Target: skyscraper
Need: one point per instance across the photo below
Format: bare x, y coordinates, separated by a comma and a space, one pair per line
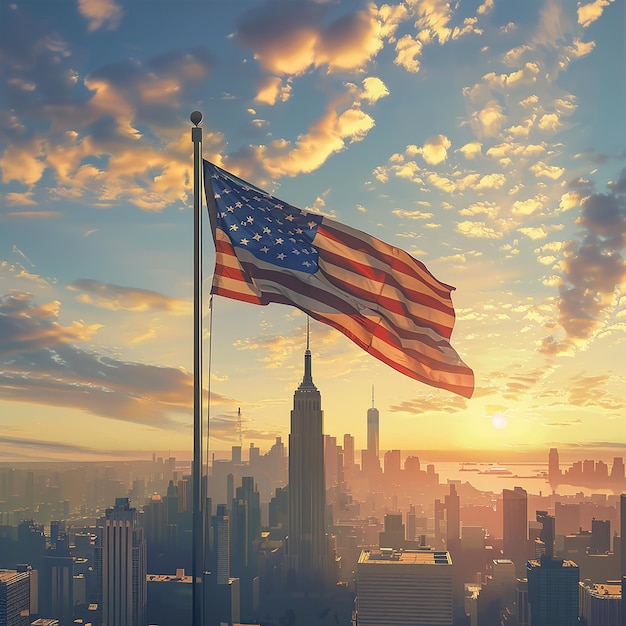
553, 592
306, 545
622, 531
370, 458
57, 585
552, 583
554, 469
409, 587
515, 527
121, 564
372, 430
14, 598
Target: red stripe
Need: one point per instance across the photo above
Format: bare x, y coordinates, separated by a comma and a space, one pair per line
397, 305
405, 265
399, 338
387, 278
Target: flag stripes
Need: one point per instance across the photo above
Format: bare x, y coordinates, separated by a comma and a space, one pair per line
380, 297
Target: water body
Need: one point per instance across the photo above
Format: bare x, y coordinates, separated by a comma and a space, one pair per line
485, 477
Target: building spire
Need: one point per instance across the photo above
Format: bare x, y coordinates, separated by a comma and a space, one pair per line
307, 380
373, 396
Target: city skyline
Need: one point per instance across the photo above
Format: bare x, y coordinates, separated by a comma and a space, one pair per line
479, 137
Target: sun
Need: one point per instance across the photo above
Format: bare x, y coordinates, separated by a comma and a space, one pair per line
498, 421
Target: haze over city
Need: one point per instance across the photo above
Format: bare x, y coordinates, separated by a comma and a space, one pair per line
486, 139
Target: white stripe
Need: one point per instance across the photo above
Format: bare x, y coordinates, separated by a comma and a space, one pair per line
443, 352
386, 249
414, 309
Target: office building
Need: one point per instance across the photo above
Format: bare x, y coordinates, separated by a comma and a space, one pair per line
622, 510
600, 604
307, 554
221, 545
57, 582
370, 460
515, 527
553, 592
554, 469
400, 588
394, 535
600, 536
121, 564
452, 502
14, 598
373, 419
498, 594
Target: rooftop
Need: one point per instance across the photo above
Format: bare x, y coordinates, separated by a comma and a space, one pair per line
7, 575
611, 589
406, 557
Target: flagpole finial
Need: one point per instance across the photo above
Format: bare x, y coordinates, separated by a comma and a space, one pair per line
196, 117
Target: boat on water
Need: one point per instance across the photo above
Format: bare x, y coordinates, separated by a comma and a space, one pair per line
497, 470
468, 469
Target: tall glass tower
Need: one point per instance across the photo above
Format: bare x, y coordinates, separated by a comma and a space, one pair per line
121, 566
372, 430
306, 544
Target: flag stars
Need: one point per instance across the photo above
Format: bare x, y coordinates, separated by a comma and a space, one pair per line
290, 218
264, 249
238, 204
281, 256
234, 227
311, 224
279, 241
267, 230
256, 236
244, 242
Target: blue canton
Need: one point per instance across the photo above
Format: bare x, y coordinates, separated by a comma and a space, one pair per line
273, 231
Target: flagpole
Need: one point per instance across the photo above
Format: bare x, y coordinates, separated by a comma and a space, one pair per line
197, 560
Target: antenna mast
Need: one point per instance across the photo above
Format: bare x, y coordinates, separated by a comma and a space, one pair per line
240, 427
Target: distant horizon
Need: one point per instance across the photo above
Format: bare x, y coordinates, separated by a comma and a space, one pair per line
483, 456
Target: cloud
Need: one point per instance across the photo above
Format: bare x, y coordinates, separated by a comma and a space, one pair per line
100, 13
589, 13
339, 126
478, 230
270, 89
589, 391
593, 267
41, 363
374, 89
552, 172
429, 403
408, 52
412, 215
117, 298
81, 132
435, 149
289, 38
46, 447
471, 150
489, 120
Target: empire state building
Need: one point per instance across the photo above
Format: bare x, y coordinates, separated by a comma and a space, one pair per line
306, 544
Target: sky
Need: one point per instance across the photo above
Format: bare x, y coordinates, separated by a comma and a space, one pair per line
485, 138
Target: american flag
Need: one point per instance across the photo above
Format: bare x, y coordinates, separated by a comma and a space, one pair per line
379, 296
